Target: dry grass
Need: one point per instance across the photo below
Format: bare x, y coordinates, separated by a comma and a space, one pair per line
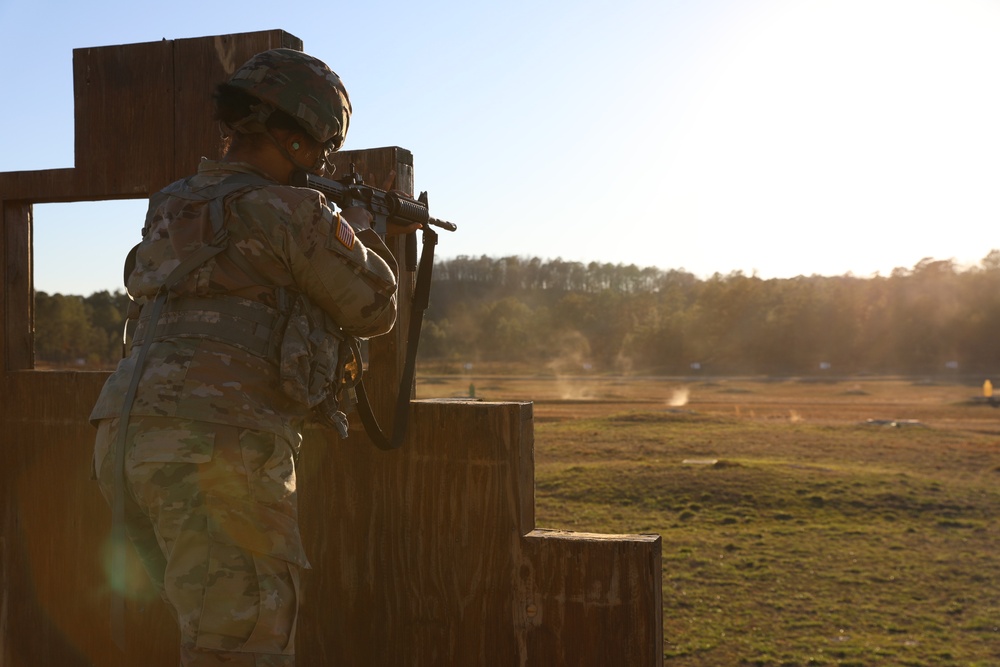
847, 522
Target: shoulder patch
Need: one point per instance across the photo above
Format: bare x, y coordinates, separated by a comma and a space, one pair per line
345, 233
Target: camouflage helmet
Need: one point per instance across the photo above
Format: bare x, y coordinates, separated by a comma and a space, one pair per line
301, 86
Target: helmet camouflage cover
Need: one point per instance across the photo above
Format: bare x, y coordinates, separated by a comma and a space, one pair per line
303, 87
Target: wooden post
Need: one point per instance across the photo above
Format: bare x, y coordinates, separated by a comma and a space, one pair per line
428, 555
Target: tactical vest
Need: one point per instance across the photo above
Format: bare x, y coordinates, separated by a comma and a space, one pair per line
313, 356
244, 324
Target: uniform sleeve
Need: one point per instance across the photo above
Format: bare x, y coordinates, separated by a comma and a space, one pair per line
350, 275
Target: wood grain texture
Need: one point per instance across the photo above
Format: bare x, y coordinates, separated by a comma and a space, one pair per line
417, 549
124, 119
580, 591
18, 287
53, 530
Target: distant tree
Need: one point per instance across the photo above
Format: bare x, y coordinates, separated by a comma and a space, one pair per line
992, 261
64, 333
512, 331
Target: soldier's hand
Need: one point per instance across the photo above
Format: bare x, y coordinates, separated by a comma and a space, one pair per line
358, 217
400, 230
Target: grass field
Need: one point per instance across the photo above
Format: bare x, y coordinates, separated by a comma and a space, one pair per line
836, 522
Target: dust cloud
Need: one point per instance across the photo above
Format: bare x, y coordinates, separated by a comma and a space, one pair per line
679, 397
569, 366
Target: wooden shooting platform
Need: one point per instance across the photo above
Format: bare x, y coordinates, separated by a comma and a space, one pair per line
428, 555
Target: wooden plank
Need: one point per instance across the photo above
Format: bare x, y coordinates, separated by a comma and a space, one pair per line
415, 551
425, 556
124, 117
211, 60
588, 599
53, 527
18, 286
6, 258
45, 186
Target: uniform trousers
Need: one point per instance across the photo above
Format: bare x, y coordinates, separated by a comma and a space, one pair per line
211, 510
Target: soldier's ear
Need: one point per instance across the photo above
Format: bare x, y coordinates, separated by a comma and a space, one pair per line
297, 142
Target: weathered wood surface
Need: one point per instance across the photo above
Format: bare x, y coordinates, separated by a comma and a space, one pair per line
444, 565
423, 556
17, 293
54, 605
432, 535
577, 590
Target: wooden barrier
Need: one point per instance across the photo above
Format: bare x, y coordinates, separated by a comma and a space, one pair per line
424, 556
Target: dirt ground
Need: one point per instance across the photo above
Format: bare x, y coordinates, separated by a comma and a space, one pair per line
949, 403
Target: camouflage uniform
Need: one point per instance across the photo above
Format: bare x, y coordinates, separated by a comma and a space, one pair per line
209, 460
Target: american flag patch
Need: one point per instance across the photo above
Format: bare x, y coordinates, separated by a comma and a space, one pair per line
345, 233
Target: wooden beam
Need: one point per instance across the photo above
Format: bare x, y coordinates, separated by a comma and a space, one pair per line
579, 591
418, 547
124, 117
17, 337
432, 556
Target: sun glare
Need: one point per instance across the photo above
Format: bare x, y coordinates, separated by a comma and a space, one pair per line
846, 129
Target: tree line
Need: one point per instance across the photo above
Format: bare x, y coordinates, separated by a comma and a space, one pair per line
570, 317
79, 331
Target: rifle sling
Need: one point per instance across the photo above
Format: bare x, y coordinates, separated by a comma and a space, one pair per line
421, 299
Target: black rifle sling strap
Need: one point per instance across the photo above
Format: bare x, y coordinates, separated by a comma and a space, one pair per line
421, 298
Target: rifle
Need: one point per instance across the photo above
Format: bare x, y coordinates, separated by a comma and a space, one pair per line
388, 208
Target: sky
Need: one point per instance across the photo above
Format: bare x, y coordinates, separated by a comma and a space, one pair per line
772, 137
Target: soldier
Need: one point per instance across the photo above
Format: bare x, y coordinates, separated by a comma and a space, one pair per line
249, 288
